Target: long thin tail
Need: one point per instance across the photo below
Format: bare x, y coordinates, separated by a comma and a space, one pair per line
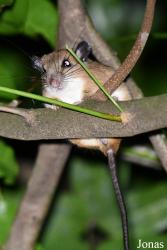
119, 197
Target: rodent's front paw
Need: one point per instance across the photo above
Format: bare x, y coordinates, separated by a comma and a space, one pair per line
50, 106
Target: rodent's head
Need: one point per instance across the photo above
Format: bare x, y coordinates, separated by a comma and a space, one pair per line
59, 68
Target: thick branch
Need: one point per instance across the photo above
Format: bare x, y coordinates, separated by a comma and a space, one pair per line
147, 114
38, 196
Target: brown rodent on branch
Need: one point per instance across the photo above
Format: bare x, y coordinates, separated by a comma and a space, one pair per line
64, 79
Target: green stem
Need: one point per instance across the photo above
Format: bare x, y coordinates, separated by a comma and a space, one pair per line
98, 83
62, 104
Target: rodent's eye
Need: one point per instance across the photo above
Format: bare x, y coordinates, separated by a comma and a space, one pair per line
66, 63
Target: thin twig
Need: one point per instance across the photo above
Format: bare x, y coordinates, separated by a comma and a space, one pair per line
126, 67
54, 102
93, 77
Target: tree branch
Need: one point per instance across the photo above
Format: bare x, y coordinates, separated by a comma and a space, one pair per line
160, 145
38, 196
51, 124
126, 67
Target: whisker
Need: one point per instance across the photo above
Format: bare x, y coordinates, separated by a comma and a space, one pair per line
73, 72
71, 76
74, 69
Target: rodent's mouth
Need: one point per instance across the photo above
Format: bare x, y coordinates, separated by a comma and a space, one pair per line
60, 86
57, 87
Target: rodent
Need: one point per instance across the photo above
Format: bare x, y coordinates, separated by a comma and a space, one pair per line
64, 79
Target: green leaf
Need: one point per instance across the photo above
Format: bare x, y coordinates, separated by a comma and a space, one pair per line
42, 19
8, 165
39, 247
9, 204
31, 18
61, 104
13, 19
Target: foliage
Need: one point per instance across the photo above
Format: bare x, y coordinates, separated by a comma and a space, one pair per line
23, 18
9, 203
90, 204
85, 213
8, 164
12, 74
27, 18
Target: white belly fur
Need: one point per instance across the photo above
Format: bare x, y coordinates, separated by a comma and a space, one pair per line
72, 92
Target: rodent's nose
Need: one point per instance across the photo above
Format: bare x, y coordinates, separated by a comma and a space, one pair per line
56, 82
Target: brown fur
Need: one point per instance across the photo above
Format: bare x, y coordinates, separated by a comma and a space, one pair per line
53, 61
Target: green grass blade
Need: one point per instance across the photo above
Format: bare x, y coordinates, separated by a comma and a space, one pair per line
62, 104
98, 83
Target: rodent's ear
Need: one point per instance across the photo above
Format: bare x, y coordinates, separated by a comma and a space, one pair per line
83, 50
37, 63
